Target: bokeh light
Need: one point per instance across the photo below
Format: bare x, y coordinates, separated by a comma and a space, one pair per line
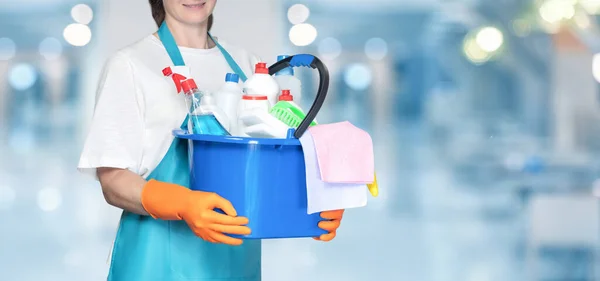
481, 45
489, 39
376, 48
303, 34
77, 34
8, 49
49, 199
554, 11
22, 76
582, 20
590, 6
474, 52
330, 48
298, 13
82, 13
358, 76
534, 164
51, 48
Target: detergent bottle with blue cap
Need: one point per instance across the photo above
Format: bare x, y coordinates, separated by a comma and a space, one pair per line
228, 99
287, 81
205, 117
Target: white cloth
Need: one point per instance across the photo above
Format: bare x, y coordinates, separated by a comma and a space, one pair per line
137, 107
324, 196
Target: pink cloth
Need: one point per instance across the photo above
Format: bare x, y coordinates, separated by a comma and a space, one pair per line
344, 153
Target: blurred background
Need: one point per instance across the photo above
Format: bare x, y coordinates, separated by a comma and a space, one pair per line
485, 116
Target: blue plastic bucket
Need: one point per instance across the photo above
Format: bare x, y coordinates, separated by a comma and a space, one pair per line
264, 179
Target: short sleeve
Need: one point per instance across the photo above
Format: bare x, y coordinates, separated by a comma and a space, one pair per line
117, 128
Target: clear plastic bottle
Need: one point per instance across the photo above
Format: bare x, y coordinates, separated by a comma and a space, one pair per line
202, 111
228, 99
286, 80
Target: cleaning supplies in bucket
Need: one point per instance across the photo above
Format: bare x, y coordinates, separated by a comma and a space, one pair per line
286, 114
178, 74
261, 124
258, 90
250, 172
228, 99
286, 80
204, 116
249, 104
287, 111
262, 84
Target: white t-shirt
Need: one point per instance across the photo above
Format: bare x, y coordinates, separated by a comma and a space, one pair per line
137, 107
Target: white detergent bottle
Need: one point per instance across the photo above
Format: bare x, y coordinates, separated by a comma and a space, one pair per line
262, 84
228, 99
287, 97
248, 104
286, 80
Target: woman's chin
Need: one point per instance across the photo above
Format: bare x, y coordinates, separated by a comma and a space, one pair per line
195, 21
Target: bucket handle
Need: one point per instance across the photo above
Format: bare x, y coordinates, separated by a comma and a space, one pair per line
314, 63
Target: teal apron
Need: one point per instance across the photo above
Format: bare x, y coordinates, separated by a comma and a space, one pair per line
148, 249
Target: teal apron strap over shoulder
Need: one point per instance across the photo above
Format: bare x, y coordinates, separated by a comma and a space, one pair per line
156, 250
234, 66
166, 37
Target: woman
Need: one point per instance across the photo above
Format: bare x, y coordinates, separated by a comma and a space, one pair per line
167, 231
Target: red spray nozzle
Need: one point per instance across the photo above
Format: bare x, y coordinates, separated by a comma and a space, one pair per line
188, 85
167, 71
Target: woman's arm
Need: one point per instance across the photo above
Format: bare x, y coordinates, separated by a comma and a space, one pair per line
122, 189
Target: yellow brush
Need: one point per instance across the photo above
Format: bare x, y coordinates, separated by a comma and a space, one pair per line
373, 188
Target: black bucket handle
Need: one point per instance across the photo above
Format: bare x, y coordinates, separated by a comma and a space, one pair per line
315, 63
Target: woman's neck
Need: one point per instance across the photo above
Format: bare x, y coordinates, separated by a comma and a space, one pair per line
190, 36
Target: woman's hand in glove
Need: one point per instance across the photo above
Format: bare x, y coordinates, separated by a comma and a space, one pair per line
331, 224
173, 202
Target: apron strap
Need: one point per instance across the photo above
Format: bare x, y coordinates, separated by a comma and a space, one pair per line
234, 66
166, 37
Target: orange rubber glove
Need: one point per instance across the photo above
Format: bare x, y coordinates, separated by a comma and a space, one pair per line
334, 218
168, 201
